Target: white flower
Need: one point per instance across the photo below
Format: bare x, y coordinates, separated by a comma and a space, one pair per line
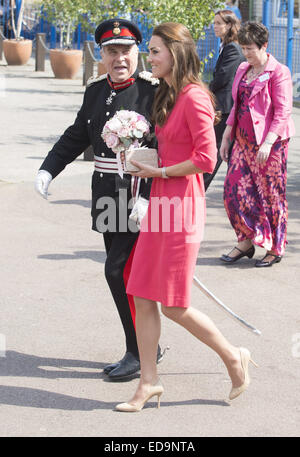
125, 114
114, 124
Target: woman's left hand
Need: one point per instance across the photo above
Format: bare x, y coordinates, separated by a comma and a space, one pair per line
146, 171
263, 153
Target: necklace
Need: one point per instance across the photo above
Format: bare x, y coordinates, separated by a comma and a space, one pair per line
254, 73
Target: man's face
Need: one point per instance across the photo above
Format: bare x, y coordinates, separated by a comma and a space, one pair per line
120, 61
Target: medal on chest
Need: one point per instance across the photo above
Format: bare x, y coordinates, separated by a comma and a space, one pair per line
110, 98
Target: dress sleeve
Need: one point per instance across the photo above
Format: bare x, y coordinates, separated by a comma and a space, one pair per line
200, 115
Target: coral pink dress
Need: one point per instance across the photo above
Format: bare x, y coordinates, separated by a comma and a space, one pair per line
167, 247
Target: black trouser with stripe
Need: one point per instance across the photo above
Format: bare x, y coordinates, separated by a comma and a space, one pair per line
118, 248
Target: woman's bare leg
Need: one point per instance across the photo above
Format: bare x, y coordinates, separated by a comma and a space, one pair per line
197, 323
147, 322
202, 327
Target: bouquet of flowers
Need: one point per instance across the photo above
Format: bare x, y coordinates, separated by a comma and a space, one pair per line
125, 131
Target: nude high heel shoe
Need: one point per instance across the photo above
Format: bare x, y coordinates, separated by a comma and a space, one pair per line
245, 359
156, 389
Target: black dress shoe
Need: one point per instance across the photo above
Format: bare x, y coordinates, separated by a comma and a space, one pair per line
249, 253
108, 368
263, 263
128, 366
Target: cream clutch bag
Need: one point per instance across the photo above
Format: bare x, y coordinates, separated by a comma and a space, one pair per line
146, 156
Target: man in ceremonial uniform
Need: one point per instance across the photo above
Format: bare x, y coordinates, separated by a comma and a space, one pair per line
123, 87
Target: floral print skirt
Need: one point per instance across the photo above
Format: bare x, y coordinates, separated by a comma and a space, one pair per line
255, 194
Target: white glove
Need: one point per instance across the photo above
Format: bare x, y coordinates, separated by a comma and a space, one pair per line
139, 210
42, 182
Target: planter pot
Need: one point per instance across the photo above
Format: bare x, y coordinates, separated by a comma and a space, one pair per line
65, 63
17, 52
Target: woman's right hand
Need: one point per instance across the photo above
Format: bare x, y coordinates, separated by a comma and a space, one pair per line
225, 145
224, 149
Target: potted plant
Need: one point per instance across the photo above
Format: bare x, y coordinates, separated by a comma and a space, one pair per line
17, 50
65, 15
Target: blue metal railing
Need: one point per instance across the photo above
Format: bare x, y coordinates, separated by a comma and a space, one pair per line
290, 35
283, 27
5, 19
283, 21
284, 42
266, 13
208, 51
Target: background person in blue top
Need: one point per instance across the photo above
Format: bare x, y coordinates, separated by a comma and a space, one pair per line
231, 5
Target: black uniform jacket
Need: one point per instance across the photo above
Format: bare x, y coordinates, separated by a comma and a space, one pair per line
223, 76
87, 130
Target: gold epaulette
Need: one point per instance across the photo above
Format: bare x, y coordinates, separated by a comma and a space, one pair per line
147, 76
95, 79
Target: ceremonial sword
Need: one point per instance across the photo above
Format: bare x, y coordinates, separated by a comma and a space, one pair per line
224, 307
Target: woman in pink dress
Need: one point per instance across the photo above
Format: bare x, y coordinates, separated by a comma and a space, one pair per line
167, 248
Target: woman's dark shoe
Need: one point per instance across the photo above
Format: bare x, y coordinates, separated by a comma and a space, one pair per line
269, 263
249, 253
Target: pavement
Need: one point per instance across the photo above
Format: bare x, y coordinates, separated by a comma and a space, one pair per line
59, 326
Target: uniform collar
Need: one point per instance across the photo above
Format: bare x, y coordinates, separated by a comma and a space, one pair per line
124, 84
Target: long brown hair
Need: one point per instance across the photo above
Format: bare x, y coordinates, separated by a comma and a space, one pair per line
230, 18
185, 70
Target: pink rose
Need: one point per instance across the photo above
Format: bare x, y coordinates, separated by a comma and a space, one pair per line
143, 126
112, 140
124, 132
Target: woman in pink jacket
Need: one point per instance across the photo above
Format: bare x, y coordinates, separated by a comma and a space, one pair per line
261, 125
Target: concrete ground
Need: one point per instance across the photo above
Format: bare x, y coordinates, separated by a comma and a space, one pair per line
59, 326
